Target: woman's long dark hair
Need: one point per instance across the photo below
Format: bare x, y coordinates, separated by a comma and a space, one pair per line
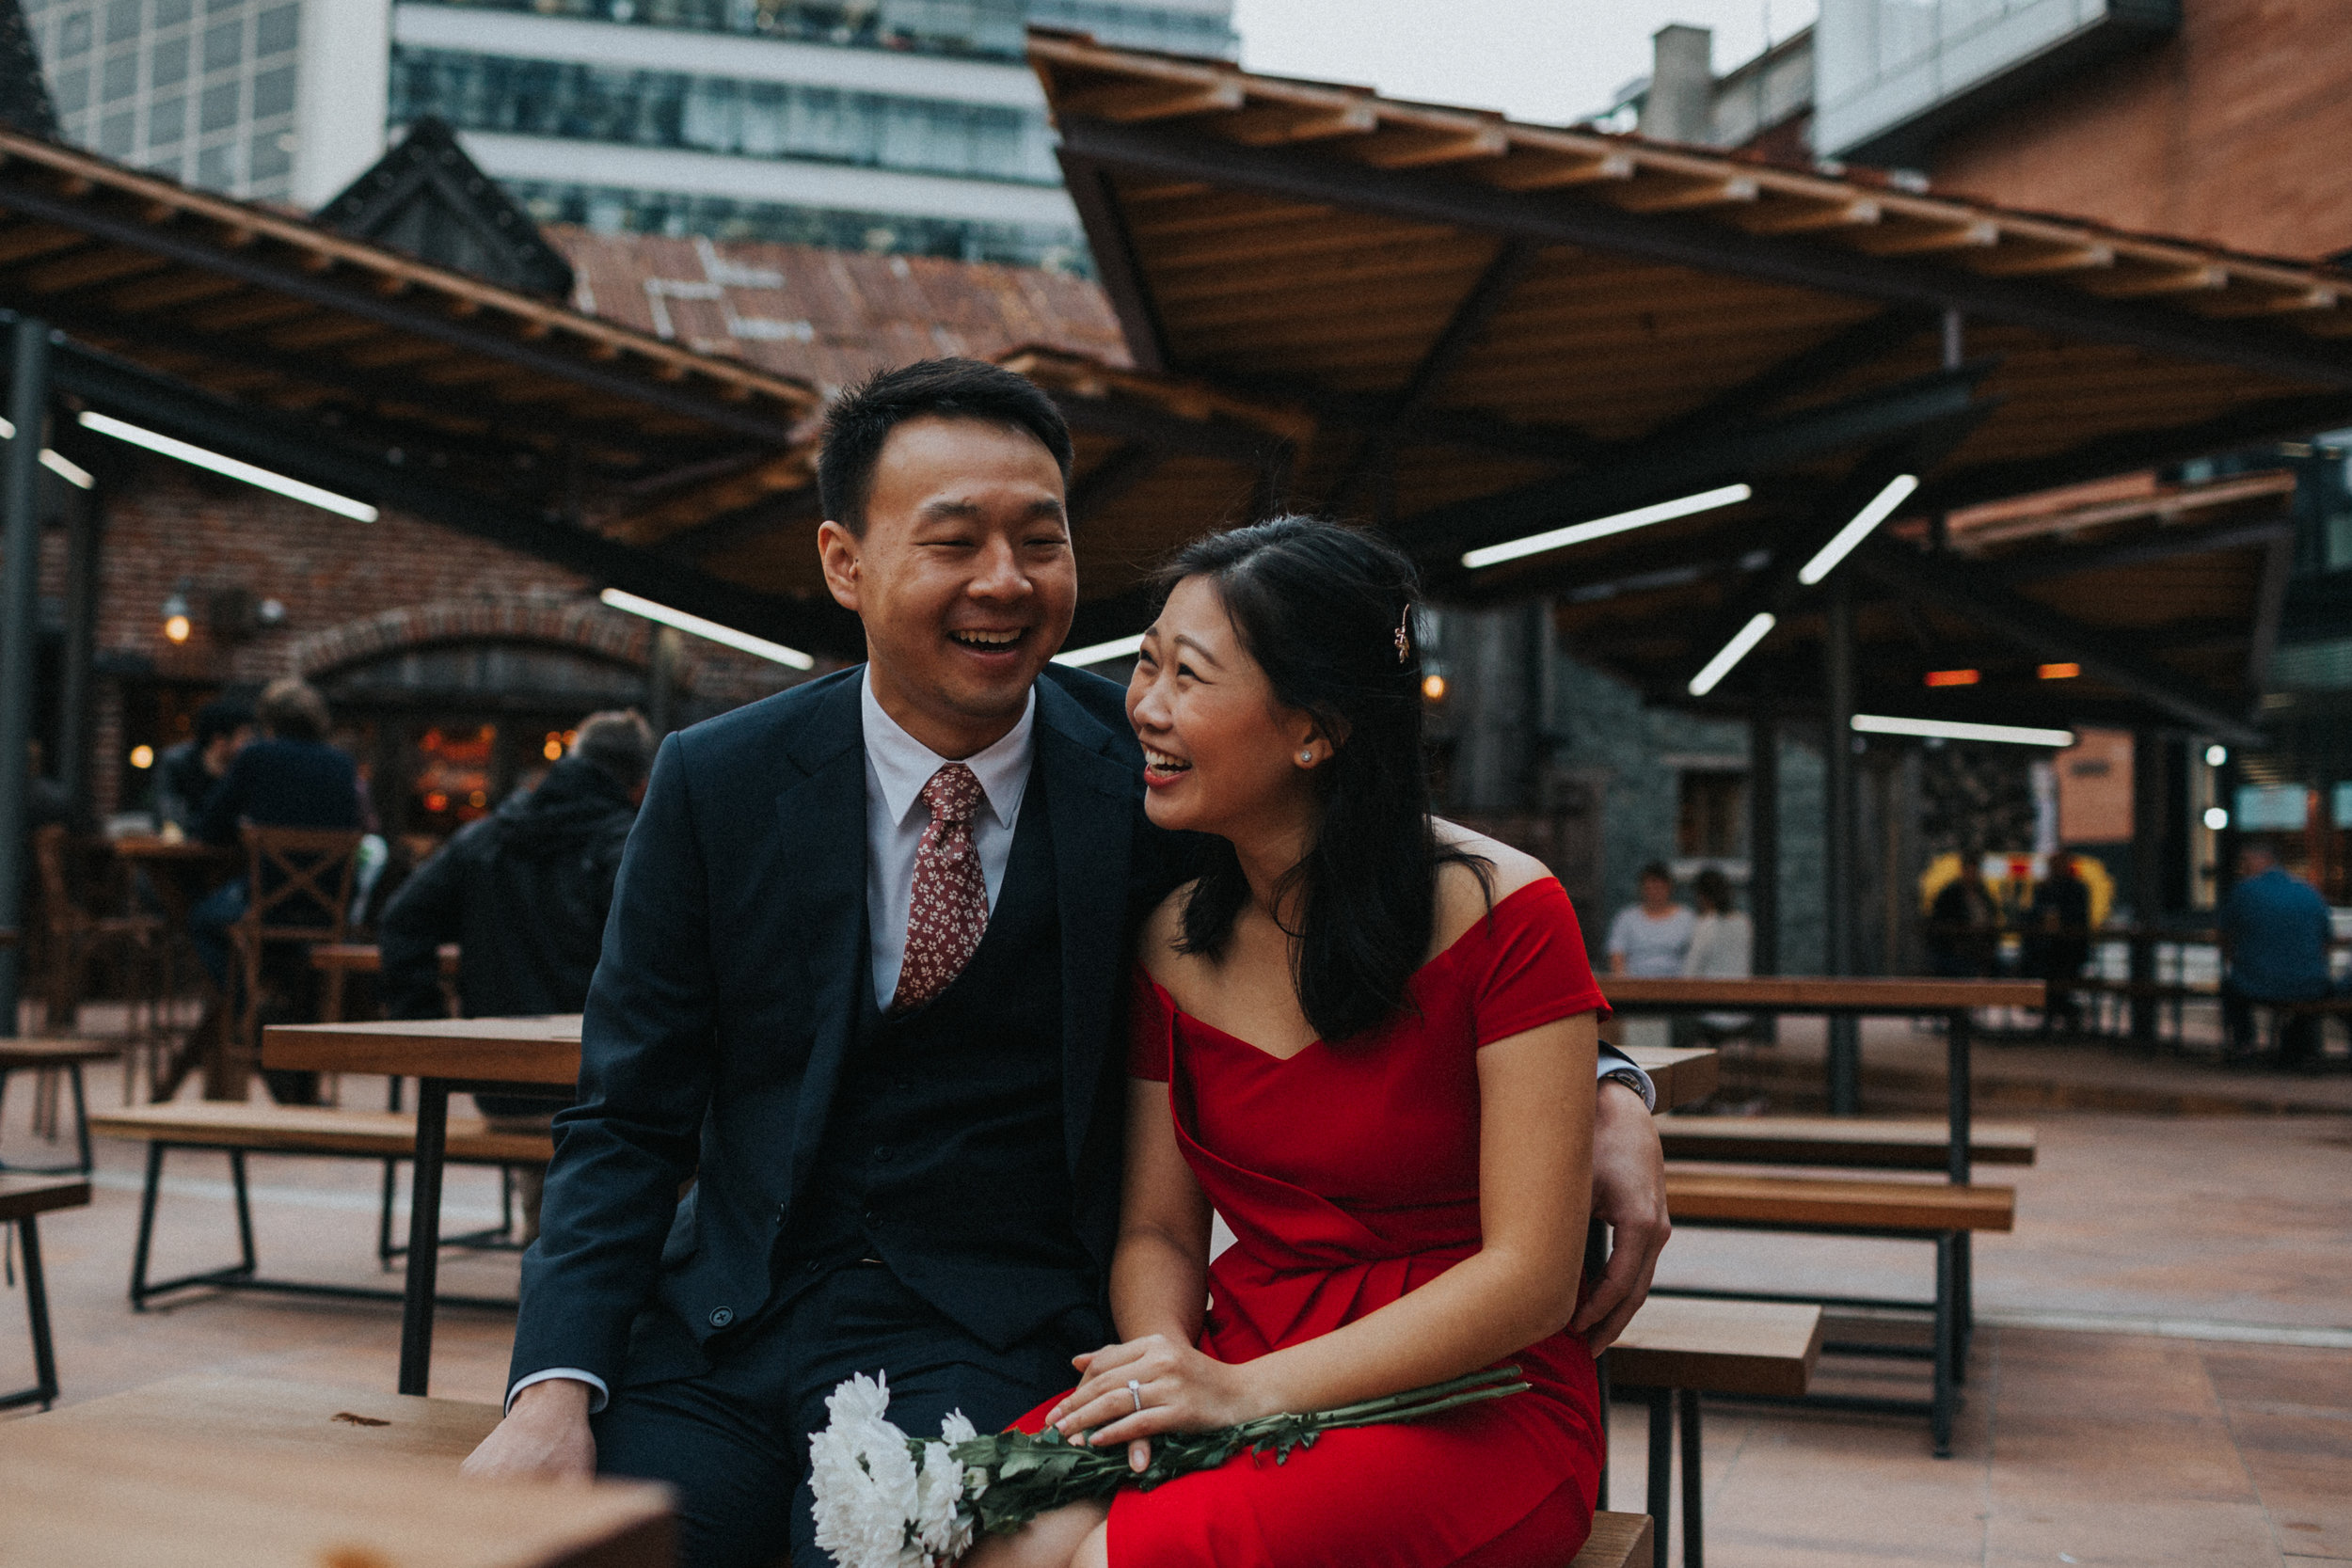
1320, 606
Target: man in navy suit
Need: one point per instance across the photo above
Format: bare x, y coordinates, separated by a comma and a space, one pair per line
863, 988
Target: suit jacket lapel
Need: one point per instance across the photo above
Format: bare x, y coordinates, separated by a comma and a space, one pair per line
823, 818
1092, 796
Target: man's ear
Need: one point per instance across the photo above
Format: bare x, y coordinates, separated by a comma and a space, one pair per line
837, 548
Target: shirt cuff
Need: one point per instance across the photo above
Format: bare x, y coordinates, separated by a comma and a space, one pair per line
1613, 1066
598, 1395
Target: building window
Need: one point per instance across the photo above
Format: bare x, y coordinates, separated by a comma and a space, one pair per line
1712, 815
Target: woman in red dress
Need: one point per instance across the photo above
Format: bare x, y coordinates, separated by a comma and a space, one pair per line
1365, 1037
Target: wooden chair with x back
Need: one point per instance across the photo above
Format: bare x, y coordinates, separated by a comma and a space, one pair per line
299, 883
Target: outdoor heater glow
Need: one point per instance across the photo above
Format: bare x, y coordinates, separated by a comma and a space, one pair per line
1954, 729
1759, 628
1601, 528
1882, 506
196, 457
726, 637
1095, 652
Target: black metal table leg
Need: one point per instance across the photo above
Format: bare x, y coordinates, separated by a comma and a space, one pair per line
1940, 1416
36, 1308
1661, 1465
81, 1117
424, 1236
1694, 1478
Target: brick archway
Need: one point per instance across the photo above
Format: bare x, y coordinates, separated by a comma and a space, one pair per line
583, 624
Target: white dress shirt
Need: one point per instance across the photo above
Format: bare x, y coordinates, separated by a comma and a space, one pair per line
898, 767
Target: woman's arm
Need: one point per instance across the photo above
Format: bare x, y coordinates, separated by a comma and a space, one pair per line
1535, 1179
1160, 1271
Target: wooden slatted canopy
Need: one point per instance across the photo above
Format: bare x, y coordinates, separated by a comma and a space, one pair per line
1502, 328
266, 336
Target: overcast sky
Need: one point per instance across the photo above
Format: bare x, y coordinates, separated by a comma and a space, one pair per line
1545, 61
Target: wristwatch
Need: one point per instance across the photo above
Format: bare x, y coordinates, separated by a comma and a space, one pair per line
1636, 1079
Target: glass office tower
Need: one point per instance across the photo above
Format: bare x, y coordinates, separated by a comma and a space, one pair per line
907, 125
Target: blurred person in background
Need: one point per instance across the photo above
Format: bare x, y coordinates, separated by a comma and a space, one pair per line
1650, 939
186, 774
1723, 947
2275, 932
289, 778
2058, 942
1964, 931
524, 892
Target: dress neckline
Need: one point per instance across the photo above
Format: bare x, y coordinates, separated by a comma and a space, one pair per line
1486, 921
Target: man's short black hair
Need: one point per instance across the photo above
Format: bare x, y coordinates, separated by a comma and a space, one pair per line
222, 715
862, 418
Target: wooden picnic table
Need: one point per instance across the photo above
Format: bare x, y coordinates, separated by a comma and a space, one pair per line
366, 958
220, 1472
522, 1054
180, 871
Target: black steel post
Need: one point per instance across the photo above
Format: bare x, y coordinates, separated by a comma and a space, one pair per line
1837, 848
76, 703
424, 1236
1764, 838
2148, 846
19, 647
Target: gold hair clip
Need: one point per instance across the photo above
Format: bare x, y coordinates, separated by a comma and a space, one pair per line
1403, 638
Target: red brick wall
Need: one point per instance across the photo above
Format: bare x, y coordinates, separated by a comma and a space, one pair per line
2234, 133
351, 590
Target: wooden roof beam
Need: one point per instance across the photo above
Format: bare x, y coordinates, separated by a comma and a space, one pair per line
1979, 234
1790, 217
2282, 303
1279, 123
1133, 102
1690, 197
1432, 146
2180, 280
1548, 171
2080, 258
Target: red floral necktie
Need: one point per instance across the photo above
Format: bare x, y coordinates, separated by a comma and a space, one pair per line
950, 909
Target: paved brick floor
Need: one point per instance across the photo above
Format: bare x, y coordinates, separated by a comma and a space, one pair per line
2164, 1375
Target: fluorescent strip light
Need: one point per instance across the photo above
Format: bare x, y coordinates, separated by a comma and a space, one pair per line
1759, 628
326, 500
1600, 528
1953, 729
54, 461
727, 637
1882, 506
1117, 647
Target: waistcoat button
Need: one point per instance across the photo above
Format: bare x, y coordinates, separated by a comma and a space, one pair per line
721, 1316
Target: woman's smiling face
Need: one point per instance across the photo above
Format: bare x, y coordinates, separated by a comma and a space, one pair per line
1221, 753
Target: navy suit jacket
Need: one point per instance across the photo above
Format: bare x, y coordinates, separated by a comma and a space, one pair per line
727, 994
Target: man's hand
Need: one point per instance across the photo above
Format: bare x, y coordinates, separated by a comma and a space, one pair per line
1628, 1196
544, 1437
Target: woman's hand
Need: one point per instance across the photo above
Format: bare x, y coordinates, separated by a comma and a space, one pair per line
1183, 1391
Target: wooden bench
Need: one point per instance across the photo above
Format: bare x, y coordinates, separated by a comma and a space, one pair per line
1677, 1349
23, 1200
1939, 1213
1870, 1144
237, 1130
221, 1472
54, 1054
1618, 1541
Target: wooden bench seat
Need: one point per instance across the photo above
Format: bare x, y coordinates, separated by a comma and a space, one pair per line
1618, 1541
238, 1129
23, 1200
1833, 1203
1873, 1145
1680, 1347
315, 1130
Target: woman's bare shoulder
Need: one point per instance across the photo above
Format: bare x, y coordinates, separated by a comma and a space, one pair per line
1467, 891
1159, 949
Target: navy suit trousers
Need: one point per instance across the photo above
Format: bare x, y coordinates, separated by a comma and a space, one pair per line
733, 1441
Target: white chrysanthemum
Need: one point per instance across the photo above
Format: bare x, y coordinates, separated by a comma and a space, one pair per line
942, 1528
868, 1489
956, 1426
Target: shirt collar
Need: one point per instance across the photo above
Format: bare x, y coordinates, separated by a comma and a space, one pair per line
901, 765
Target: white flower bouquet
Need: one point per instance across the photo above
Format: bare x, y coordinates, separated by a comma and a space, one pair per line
887, 1500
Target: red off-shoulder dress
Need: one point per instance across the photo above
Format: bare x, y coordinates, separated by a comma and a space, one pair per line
1348, 1174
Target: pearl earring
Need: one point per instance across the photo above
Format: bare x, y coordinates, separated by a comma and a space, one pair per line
1306, 759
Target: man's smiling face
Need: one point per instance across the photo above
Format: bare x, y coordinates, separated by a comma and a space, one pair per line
965, 576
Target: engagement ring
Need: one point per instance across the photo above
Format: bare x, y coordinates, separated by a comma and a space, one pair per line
1135, 1392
